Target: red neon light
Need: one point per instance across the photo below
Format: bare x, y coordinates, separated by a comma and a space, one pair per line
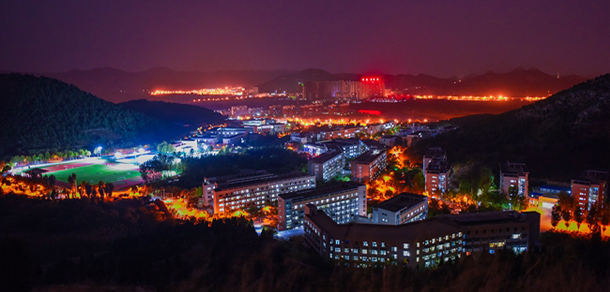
370, 112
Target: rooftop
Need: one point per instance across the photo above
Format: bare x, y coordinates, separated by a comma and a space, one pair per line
444, 224
326, 156
401, 201
594, 176
373, 144
369, 156
262, 179
513, 168
438, 164
354, 231
324, 190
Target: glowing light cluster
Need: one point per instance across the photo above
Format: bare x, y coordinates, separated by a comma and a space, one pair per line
480, 98
179, 207
237, 91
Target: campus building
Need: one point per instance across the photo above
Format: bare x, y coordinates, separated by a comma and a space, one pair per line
514, 179
342, 202
590, 189
431, 153
423, 243
352, 147
236, 192
401, 209
327, 165
437, 175
369, 165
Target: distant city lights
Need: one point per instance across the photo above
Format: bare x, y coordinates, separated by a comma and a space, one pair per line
235, 91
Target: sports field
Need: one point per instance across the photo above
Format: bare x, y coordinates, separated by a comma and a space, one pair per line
122, 175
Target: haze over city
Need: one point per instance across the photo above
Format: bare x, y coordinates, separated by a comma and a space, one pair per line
441, 38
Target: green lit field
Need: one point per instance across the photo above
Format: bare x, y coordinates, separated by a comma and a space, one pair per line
96, 172
122, 175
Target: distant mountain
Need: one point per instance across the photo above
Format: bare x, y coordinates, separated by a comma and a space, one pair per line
517, 83
175, 113
40, 114
557, 138
118, 86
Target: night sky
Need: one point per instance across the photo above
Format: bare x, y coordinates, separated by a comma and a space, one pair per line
442, 38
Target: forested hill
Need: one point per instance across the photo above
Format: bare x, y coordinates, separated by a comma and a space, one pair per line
40, 113
175, 113
558, 138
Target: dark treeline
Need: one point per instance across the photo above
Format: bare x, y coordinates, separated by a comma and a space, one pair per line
276, 160
175, 113
42, 114
558, 138
85, 246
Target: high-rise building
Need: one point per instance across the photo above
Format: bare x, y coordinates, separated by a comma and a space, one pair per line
342, 202
590, 189
514, 179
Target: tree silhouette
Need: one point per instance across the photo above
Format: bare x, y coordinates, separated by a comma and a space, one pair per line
109, 188
101, 188
555, 216
578, 217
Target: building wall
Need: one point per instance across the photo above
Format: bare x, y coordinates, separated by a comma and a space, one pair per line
587, 194
437, 182
521, 183
364, 172
441, 243
405, 215
342, 206
326, 170
429, 251
232, 199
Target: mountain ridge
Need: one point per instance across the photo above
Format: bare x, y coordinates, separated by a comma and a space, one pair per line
558, 138
118, 85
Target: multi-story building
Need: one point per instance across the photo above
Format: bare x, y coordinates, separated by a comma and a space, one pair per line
438, 173
339, 132
231, 193
369, 165
514, 179
351, 147
431, 153
388, 140
327, 165
590, 189
401, 209
342, 202
424, 243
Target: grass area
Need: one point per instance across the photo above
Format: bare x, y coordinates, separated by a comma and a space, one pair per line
95, 172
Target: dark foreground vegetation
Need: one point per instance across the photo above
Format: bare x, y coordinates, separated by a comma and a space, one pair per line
130, 245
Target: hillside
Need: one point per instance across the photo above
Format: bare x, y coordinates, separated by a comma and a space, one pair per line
41, 113
557, 138
174, 113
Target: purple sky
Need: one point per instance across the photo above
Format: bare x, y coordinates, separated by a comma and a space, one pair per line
443, 38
